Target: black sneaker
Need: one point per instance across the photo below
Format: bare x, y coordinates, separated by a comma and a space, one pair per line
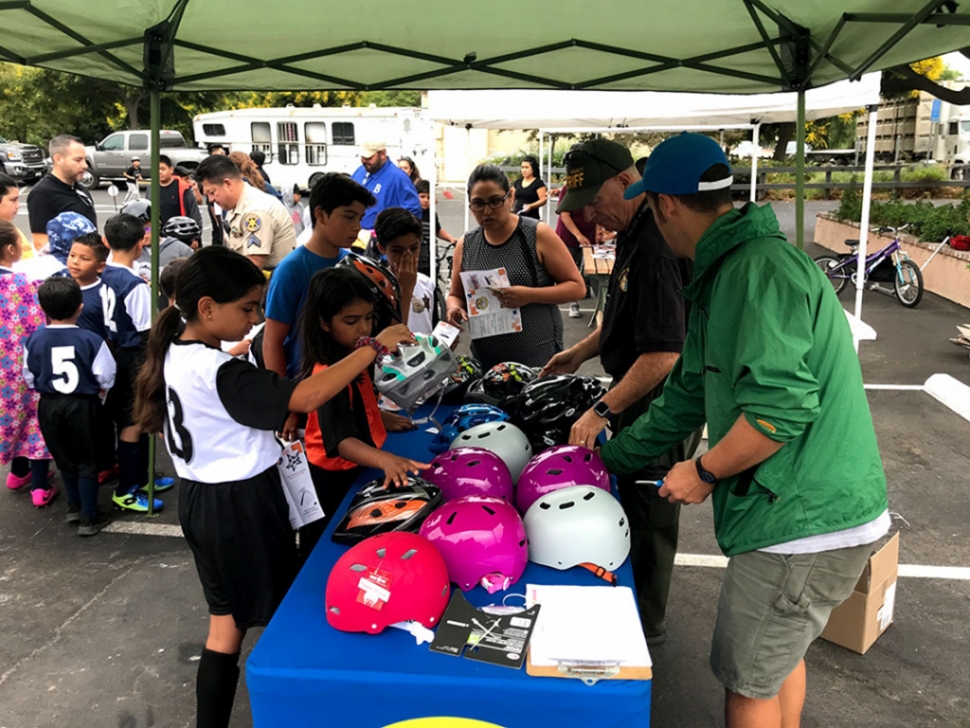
73, 513
91, 526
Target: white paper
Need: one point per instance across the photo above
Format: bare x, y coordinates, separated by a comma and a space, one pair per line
486, 317
885, 614
446, 333
301, 496
586, 625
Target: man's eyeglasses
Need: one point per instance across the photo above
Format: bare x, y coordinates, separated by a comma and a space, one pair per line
493, 204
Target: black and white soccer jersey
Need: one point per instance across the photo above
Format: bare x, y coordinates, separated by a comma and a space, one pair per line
127, 305
61, 359
96, 299
222, 412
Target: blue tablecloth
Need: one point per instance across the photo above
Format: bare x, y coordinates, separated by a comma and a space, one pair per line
305, 673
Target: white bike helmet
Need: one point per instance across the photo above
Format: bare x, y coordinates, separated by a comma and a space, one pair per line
578, 526
417, 372
502, 438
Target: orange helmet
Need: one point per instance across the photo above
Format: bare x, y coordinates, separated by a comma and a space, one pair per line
382, 283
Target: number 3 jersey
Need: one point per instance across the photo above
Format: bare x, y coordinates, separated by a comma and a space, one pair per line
61, 359
221, 414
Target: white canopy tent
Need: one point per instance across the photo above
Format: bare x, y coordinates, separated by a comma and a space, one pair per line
561, 112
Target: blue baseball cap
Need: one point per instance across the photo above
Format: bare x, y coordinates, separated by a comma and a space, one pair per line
676, 166
63, 230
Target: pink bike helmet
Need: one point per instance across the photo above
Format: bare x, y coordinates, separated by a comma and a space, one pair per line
482, 541
558, 467
470, 471
385, 579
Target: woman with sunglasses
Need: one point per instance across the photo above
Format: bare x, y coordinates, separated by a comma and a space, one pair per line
541, 272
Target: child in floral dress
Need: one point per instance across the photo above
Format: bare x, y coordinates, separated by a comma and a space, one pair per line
22, 446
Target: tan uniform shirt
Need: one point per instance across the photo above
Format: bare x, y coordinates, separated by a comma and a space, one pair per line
260, 225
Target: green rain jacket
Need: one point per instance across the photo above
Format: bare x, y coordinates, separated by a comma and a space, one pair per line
769, 340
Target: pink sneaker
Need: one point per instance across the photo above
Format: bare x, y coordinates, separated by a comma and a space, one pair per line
43, 496
15, 483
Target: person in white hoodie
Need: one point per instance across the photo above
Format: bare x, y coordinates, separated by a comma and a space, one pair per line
291, 201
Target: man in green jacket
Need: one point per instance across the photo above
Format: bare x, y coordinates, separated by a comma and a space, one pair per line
798, 488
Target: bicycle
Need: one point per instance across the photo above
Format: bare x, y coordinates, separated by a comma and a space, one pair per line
890, 264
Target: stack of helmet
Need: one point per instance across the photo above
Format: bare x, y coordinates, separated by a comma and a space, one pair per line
469, 370
560, 467
417, 372
470, 471
461, 419
546, 409
383, 285
377, 509
500, 385
502, 438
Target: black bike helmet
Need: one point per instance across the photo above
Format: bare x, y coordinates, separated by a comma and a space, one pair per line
383, 284
546, 409
142, 209
182, 228
500, 385
469, 370
376, 509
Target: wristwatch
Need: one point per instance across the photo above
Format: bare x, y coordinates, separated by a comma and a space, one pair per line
601, 409
706, 475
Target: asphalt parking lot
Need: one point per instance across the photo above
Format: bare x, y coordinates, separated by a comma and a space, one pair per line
106, 631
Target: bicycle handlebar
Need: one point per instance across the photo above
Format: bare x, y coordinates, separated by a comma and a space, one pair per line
893, 230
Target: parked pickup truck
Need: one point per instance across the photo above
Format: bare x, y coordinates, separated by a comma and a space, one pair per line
109, 158
23, 162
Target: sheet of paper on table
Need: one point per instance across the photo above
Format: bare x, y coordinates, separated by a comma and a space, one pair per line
586, 624
486, 317
604, 253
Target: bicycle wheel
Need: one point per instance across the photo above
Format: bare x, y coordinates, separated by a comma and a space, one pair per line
908, 284
838, 276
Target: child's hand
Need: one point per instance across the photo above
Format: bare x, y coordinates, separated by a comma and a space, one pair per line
290, 427
396, 469
394, 335
241, 348
406, 272
396, 423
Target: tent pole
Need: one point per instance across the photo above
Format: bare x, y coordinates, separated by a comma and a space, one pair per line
156, 123
542, 156
866, 206
800, 171
548, 210
468, 172
755, 149
432, 210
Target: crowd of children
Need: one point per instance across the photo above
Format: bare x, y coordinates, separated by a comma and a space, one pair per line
88, 377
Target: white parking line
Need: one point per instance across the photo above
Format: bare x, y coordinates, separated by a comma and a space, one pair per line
144, 529
913, 571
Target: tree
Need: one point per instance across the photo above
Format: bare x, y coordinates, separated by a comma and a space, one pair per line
899, 81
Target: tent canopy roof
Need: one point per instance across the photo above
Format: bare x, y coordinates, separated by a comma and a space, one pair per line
550, 110
721, 46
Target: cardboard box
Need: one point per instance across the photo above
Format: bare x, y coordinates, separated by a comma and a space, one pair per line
859, 620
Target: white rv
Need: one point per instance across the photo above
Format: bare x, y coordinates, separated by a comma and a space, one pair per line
301, 144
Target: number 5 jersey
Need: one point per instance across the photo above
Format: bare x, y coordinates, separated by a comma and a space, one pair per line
63, 359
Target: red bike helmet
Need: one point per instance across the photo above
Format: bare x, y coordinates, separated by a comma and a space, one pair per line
382, 282
385, 579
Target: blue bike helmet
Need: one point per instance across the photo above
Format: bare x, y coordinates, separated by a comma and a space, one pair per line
463, 418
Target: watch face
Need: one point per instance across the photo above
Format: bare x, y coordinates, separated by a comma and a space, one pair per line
708, 478
601, 409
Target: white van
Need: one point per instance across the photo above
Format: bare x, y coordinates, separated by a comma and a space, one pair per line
301, 144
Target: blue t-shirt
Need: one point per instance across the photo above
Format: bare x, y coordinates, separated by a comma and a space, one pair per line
392, 188
288, 290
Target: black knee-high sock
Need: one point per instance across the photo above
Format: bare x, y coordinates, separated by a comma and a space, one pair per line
215, 688
129, 463
88, 493
20, 467
143, 460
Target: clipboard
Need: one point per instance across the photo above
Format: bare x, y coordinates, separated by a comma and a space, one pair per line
568, 644
589, 673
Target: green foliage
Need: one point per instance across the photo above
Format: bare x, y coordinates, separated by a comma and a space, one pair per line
932, 222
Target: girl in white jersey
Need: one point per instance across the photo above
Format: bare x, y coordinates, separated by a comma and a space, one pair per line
218, 415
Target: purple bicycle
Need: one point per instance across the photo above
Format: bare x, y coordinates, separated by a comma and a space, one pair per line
889, 265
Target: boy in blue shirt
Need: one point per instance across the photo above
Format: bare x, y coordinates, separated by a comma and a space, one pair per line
86, 263
337, 205
127, 315
70, 367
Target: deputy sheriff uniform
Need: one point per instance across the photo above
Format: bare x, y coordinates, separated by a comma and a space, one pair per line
222, 413
260, 225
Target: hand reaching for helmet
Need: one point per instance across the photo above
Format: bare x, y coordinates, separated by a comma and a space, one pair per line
394, 335
586, 429
394, 422
396, 469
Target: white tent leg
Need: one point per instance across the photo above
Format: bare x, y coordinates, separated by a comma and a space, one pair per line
542, 156
866, 206
432, 209
548, 180
800, 172
468, 170
755, 148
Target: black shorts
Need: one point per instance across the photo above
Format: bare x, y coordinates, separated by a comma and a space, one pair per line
70, 424
243, 544
121, 397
